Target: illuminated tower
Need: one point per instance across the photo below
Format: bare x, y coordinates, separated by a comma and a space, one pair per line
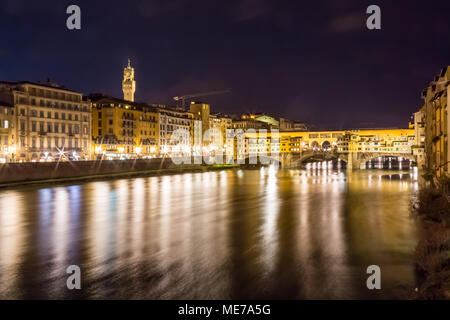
128, 83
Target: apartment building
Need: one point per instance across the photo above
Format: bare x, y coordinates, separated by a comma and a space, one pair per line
49, 122
123, 129
7, 143
175, 130
419, 137
437, 125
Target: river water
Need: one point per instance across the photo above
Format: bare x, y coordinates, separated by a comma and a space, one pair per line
232, 234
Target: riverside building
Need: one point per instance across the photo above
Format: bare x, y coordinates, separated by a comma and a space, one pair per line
48, 122
7, 143
437, 123
123, 129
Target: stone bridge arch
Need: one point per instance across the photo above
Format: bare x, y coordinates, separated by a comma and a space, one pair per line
354, 160
370, 156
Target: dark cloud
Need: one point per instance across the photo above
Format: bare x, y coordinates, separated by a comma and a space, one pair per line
313, 61
351, 22
252, 9
12, 7
152, 8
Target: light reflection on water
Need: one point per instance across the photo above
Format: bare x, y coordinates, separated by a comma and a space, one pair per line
226, 234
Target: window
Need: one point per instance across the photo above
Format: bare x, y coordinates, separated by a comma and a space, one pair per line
76, 117
63, 116
56, 115
49, 115
70, 116
41, 114
6, 126
33, 126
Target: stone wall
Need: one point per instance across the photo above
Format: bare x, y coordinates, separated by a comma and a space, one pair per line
35, 171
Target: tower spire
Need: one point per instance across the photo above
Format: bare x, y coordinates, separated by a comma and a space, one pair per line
128, 83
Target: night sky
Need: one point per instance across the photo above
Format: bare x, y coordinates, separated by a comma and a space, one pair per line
311, 61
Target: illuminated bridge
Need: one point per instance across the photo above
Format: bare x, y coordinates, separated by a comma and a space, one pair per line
355, 147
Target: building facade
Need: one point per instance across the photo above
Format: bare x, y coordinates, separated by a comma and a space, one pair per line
436, 101
7, 142
175, 130
201, 111
122, 129
50, 122
419, 137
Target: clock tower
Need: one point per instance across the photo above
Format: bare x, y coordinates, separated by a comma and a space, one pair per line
128, 83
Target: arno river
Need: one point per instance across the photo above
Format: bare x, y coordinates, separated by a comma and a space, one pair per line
233, 234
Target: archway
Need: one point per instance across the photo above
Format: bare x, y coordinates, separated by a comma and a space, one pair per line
315, 145
326, 146
388, 161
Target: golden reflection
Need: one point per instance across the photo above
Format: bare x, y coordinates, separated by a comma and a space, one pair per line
165, 213
137, 223
303, 233
99, 225
270, 211
61, 228
12, 237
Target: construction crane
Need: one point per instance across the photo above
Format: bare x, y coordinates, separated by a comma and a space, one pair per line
196, 95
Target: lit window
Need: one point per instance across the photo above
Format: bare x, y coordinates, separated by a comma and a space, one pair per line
6, 124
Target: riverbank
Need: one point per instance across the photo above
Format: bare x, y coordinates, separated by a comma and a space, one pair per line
15, 174
432, 256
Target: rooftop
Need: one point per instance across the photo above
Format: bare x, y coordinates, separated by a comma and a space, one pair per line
48, 84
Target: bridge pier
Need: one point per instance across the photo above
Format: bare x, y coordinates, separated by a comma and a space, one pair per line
353, 161
356, 159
